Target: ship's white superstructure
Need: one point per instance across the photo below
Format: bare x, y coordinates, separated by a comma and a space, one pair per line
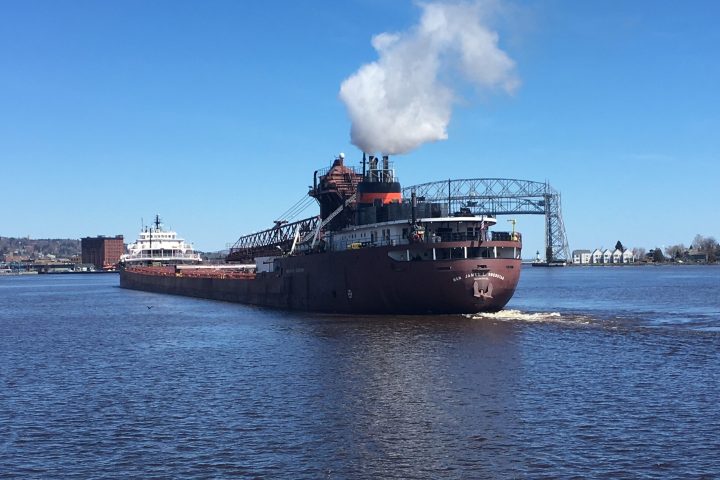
156, 245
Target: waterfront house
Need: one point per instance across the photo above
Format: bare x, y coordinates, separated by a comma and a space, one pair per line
582, 257
628, 257
697, 256
596, 256
617, 256
606, 256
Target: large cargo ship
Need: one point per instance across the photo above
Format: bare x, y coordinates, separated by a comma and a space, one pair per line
369, 251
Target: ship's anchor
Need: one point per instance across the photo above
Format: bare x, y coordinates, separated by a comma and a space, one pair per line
480, 292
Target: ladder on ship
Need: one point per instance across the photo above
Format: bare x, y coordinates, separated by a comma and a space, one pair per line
314, 236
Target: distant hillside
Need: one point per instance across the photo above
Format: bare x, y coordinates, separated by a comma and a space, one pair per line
37, 248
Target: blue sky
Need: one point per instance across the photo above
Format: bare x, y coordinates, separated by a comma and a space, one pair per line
215, 114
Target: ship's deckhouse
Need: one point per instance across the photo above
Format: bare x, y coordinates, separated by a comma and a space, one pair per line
400, 232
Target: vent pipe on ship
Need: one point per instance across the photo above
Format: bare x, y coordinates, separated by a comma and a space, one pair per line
413, 203
373, 168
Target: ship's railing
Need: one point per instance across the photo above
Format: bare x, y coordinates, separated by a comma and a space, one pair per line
484, 236
221, 273
454, 253
162, 256
506, 236
167, 271
373, 174
429, 237
323, 171
379, 175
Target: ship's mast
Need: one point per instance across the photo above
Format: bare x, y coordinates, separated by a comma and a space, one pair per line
157, 227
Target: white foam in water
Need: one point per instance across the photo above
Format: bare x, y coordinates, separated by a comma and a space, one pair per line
517, 315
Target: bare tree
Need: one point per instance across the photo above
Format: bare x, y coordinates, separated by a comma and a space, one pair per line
706, 245
675, 251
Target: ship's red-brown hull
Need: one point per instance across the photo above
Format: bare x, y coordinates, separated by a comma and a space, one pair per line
365, 281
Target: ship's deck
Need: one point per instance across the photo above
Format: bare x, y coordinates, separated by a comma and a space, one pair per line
198, 272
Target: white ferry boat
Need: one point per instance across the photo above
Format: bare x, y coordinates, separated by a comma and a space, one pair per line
156, 246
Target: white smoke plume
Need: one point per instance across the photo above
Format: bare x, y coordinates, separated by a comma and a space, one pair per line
403, 99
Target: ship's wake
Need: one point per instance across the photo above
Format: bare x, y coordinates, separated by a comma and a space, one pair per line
534, 317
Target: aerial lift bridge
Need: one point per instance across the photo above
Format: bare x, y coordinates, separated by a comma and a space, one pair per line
503, 196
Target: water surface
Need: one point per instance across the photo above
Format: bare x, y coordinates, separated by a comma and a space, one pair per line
589, 373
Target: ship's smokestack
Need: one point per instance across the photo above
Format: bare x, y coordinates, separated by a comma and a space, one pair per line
364, 163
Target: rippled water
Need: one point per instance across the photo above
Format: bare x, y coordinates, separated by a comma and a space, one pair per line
610, 373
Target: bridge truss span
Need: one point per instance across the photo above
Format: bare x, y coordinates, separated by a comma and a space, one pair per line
503, 196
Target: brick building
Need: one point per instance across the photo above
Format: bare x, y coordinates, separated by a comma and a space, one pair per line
103, 252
